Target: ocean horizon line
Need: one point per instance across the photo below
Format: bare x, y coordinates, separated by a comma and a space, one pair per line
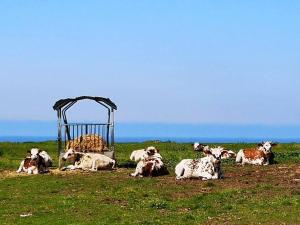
160, 139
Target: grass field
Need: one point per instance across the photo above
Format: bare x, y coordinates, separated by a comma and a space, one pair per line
247, 195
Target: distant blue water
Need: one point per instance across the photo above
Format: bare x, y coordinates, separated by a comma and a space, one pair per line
163, 139
26, 131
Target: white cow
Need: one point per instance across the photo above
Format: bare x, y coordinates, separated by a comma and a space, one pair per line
207, 168
88, 161
141, 154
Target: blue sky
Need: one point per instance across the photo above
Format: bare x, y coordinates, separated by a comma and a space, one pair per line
186, 62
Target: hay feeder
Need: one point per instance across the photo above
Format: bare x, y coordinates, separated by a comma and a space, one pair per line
85, 137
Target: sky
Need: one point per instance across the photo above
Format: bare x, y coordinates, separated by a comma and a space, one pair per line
172, 62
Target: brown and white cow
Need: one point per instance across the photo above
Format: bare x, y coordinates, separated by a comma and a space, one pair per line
151, 165
33, 164
260, 155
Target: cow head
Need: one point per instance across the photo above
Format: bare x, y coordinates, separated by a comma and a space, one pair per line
200, 147
151, 150
68, 154
35, 153
216, 154
267, 146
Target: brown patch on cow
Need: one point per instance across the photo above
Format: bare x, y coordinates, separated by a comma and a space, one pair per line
28, 162
147, 169
74, 158
253, 153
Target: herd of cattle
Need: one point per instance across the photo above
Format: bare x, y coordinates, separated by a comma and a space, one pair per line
150, 162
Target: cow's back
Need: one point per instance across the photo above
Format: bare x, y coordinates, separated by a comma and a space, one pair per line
253, 153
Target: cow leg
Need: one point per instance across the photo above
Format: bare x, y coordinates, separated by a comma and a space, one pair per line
21, 167
35, 171
29, 171
180, 174
113, 163
206, 176
138, 170
93, 166
71, 167
267, 162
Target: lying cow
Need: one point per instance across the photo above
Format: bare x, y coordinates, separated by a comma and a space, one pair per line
260, 155
28, 165
47, 159
88, 161
141, 154
36, 162
200, 147
227, 154
206, 168
151, 165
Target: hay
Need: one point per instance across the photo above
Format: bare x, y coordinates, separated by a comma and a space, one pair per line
87, 143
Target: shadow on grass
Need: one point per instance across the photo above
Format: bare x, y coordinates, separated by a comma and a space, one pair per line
127, 164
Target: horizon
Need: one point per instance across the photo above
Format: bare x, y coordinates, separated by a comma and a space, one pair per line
125, 131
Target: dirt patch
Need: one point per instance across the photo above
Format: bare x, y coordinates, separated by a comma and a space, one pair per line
235, 177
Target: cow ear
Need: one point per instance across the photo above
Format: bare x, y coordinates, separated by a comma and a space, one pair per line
274, 144
260, 144
29, 152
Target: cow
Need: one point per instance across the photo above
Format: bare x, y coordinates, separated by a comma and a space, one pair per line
227, 154
200, 147
151, 165
141, 154
260, 155
34, 163
206, 168
48, 160
88, 161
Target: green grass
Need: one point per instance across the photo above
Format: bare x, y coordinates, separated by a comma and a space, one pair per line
247, 195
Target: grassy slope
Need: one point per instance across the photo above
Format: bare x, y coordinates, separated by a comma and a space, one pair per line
248, 195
